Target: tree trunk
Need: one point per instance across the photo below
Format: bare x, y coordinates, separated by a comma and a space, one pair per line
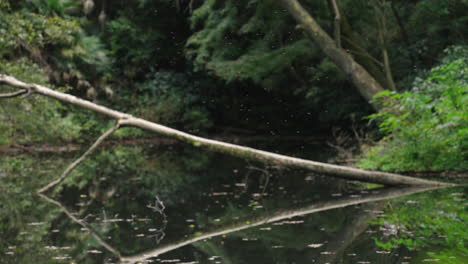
364, 82
222, 147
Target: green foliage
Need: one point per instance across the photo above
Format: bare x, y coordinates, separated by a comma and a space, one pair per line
36, 48
421, 227
259, 63
173, 99
29, 30
437, 24
25, 220
149, 35
126, 35
427, 127
251, 40
53, 7
88, 55
33, 119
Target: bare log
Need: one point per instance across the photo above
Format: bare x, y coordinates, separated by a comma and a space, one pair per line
227, 148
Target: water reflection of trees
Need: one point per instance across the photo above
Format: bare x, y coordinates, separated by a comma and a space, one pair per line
124, 180
347, 235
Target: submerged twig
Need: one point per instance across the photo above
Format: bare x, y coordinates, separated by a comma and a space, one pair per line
159, 208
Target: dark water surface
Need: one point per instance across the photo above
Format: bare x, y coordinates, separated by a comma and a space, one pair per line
178, 204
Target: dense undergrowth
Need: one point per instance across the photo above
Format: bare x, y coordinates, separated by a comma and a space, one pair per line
427, 127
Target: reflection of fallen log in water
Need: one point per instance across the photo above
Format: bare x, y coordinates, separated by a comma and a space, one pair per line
372, 196
349, 232
88, 227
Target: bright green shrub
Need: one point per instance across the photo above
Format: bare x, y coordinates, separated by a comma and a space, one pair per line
427, 127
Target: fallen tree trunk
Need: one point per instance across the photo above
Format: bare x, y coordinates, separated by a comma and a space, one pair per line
124, 119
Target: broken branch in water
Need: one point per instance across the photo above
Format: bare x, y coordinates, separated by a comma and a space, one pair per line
77, 162
222, 147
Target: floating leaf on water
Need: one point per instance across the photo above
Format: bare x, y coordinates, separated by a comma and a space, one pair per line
219, 193
308, 178
94, 251
114, 220
293, 222
314, 245
62, 257
36, 223
51, 247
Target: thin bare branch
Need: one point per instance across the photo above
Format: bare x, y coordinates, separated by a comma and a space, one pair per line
77, 162
337, 23
14, 94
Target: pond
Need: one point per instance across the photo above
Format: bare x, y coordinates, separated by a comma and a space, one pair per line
178, 204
